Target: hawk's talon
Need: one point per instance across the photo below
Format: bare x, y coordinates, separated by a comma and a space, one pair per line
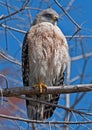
41, 86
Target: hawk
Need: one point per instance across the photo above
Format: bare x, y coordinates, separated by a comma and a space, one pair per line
44, 59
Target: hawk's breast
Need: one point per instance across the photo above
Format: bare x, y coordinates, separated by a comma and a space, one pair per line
47, 52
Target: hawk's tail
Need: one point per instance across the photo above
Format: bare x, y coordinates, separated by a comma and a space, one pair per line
39, 111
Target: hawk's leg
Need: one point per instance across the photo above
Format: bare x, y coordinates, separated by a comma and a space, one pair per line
40, 85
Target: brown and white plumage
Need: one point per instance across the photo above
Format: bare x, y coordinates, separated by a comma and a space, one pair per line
44, 58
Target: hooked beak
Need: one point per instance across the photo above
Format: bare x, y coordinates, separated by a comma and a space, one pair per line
55, 18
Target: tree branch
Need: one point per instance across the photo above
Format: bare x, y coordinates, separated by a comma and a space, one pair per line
81, 56
16, 91
15, 12
9, 58
43, 122
12, 28
72, 20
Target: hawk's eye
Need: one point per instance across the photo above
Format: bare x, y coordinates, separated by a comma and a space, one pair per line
47, 15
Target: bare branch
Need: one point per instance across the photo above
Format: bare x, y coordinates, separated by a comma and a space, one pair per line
81, 56
79, 36
9, 58
11, 28
69, 5
72, 20
43, 122
56, 105
16, 91
17, 11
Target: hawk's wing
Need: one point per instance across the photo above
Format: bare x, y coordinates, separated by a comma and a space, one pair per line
25, 64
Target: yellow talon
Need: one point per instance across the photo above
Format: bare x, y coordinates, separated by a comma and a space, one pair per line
40, 85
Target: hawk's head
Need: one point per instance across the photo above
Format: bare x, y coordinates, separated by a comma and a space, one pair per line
48, 15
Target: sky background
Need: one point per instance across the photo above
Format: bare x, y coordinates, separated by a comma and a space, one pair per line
11, 44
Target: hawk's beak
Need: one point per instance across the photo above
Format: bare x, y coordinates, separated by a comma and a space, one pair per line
55, 18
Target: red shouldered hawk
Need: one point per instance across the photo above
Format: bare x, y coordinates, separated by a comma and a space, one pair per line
44, 58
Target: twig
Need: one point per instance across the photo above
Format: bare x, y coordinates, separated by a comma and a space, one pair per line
80, 36
9, 58
69, 5
72, 20
67, 97
14, 29
55, 105
11, 14
6, 80
81, 56
44, 122
10, 7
